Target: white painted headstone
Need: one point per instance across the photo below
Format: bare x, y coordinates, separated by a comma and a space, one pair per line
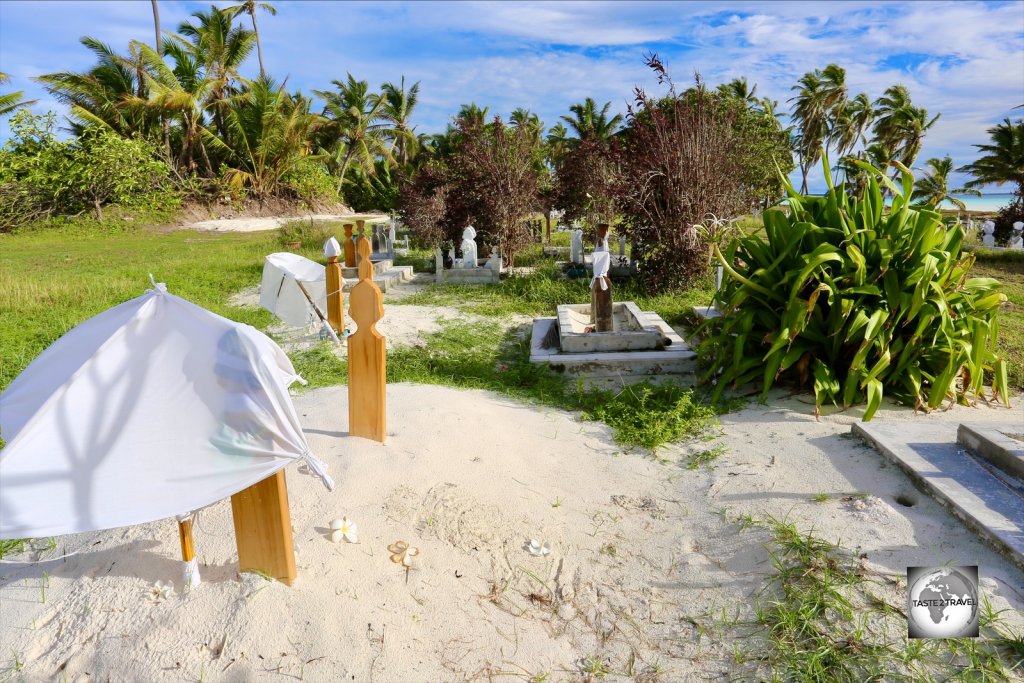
469, 247
988, 236
1017, 238
622, 245
576, 246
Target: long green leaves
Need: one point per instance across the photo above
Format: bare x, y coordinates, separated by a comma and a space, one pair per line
856, 302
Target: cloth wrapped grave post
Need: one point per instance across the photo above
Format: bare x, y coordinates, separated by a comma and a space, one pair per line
154, 409
601, 293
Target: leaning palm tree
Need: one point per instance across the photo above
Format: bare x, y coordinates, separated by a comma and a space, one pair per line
587, 121
556, 144
933, 187
810, 120
354, 122
96, 97
397, 106
900, 125
13, 100
1002, 160
249, 7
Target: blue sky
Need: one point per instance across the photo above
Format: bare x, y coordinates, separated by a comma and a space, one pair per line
963, 59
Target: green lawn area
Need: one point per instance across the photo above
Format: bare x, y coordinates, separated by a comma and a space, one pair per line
50, 281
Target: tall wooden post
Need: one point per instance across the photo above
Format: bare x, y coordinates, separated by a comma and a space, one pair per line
335, 297
360, 232
367, 370
263, 529
350, 247
601, 285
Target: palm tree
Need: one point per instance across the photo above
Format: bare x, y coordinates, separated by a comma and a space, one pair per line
97, 96
557, 144
899, 125
933, 186
819, 103
851, 124
1002, 160
220, 48
249, 7
739, 89
524, 118
398, 104
587, 121
473, 114
156, 26
268, 135
182, 92
12, 100
353, 115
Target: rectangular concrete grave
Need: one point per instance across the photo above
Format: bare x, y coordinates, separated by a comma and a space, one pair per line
608, 370
633, 331
1001, 445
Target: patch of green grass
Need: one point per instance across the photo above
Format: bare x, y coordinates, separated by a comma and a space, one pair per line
703, 458
470, 356
14, 545
1009, 272
52, 280
540, 292
823, 616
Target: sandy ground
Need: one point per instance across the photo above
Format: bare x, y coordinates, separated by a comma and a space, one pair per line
257, 224
642, 557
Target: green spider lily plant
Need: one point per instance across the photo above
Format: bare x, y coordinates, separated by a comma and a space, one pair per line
859, 299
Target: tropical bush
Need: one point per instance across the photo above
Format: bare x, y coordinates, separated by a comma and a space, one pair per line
857, 301
685, 157
41, 176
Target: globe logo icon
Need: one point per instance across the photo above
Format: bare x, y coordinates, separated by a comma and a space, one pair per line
942, 602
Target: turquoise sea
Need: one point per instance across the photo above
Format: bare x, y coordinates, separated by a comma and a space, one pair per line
992, 201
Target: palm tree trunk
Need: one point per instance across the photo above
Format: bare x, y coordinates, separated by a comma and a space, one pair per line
156, 25
259, 47
344, 168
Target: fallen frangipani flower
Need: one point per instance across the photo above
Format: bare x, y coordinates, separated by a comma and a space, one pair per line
161, 591
538, 549
344, 528
402, 554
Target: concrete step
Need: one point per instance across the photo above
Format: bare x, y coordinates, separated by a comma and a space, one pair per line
384, 279
381, 266
993, 506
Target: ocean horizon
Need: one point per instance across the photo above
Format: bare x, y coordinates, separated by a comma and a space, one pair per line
989, 202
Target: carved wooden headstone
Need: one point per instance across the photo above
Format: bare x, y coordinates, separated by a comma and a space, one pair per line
367, 370
335, 297
350, 247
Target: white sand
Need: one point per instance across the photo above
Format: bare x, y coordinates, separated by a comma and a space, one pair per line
639, 553
257, 224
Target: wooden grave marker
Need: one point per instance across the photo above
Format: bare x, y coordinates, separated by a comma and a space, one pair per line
350, 247
367, 372
601, 286
335, 297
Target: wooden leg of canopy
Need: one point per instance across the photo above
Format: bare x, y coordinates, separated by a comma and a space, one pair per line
188, 546
263, 529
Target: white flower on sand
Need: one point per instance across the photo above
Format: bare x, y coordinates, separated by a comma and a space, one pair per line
538, 549
344, 528
162, 591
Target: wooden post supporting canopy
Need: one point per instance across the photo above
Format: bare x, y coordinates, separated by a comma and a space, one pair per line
263, 529
350, 247
367, 372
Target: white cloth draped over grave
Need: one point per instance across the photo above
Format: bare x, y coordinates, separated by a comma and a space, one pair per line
280, 293
148, 410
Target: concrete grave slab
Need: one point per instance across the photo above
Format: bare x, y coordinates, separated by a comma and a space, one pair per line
929, 454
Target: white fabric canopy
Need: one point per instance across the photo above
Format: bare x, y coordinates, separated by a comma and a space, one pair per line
148, 410
280, 294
